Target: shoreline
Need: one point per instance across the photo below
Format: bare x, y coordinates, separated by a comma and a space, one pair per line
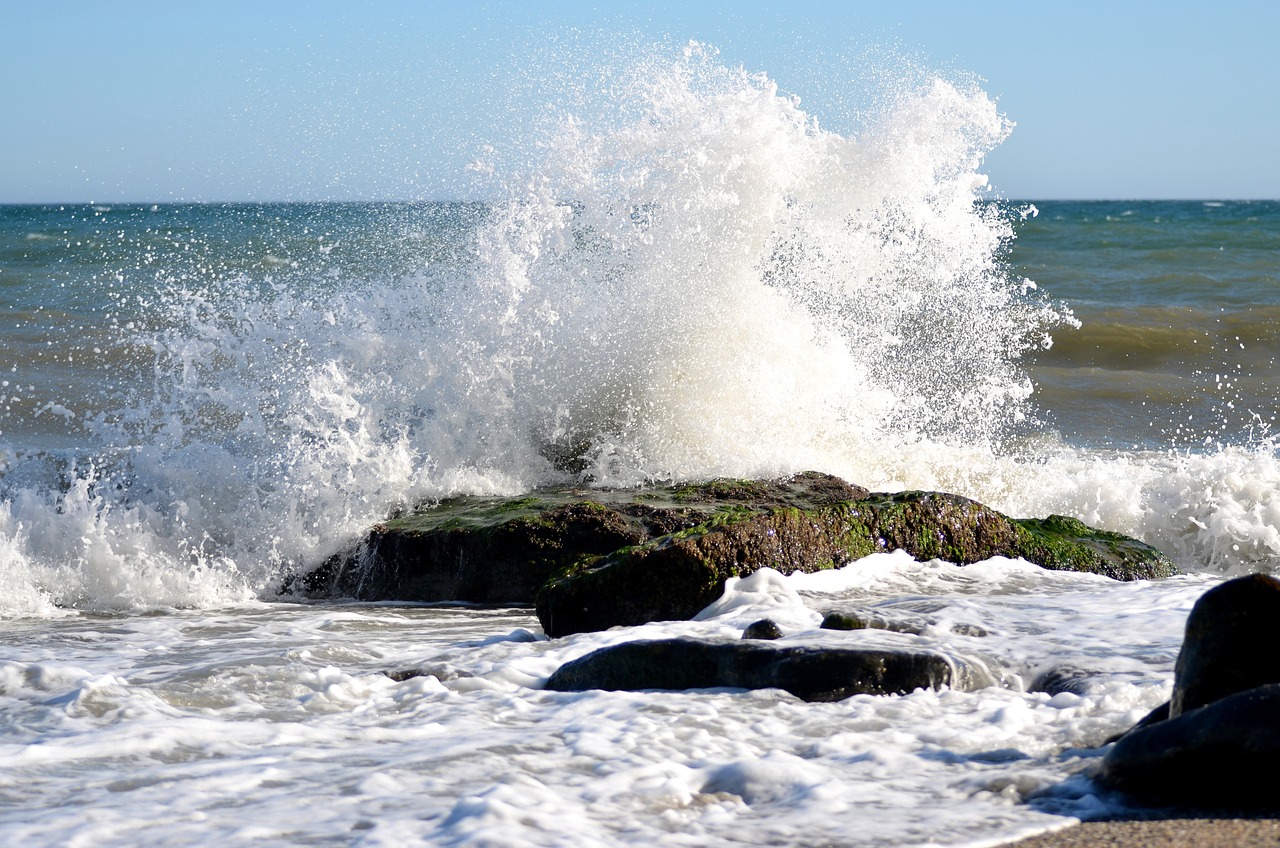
1174, 831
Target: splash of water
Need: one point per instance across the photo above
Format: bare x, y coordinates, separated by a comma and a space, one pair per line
721, 287
703, 282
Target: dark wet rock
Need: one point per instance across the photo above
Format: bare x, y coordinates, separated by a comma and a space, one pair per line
1227, 647
837, 620
1060, 679
912, 623
844, 621
1215, 756
765, 628
1230, 643
440, 672
813, 674
1156, 716
487, 550
1220, 731
596, 558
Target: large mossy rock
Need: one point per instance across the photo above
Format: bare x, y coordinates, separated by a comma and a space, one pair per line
485, 550
593, 559
502, 550
675, 576
812, 674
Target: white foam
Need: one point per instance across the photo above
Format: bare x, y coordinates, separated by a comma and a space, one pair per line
213, 725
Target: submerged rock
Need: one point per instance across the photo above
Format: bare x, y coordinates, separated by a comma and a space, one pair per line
846, 620
1062, 678
596, 558
914, 624
813, 674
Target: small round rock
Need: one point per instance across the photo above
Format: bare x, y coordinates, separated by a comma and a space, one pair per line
762, 629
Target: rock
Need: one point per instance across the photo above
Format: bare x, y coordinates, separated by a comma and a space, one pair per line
847, 621
1230, 644
1156, 716
502, 550
673, 577
676, 576
442, 672
1225, 648
487, 550
1060, 543
813, 674
763, 629
597, 558
1220, 731
1215, 756
1060, 679
837, 620
901, 623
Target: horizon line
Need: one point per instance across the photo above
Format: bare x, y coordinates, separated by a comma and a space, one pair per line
406, 201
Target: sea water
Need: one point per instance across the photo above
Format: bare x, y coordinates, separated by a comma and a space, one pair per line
196, 400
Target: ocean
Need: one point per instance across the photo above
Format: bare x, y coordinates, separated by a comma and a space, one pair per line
198, 399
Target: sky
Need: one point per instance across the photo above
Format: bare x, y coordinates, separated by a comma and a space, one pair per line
264, 101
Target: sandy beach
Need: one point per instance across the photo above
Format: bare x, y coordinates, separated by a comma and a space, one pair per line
1162, 833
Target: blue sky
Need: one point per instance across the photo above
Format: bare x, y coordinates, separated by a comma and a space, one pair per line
160, 101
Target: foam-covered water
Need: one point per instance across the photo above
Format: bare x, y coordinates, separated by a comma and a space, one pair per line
274, 722
700, 282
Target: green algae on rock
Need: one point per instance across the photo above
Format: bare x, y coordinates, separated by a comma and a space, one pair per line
598, 558
485, 550
675, 576
502, 550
